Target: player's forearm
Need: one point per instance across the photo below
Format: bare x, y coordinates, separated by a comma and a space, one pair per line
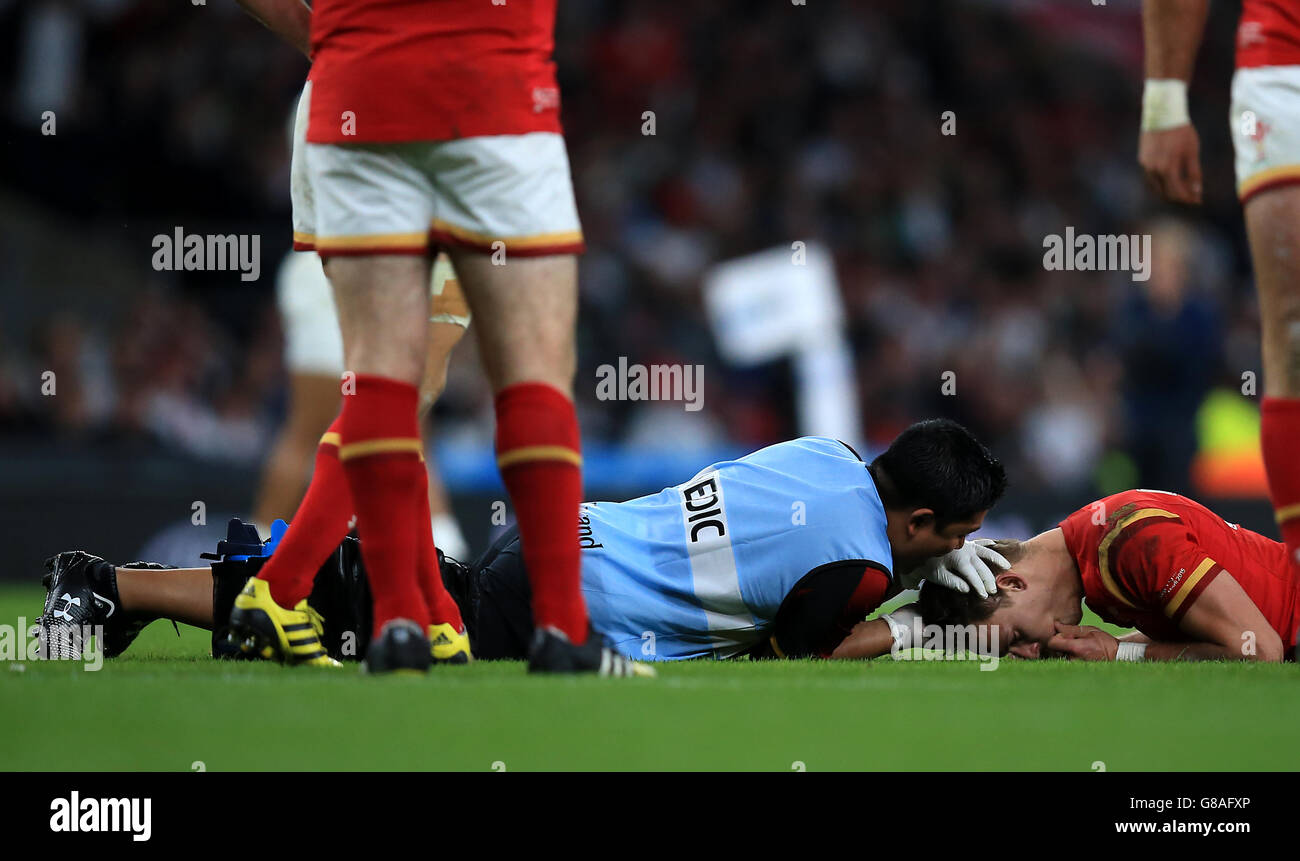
866, 640
1171, 31
288, 19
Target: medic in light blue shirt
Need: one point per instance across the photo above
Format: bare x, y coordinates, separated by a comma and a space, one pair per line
776, 554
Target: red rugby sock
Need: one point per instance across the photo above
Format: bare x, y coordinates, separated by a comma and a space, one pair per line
380, 452
319, 524
1280, 438
441, 606
539, 455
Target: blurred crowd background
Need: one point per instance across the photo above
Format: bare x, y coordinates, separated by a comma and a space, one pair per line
775, 122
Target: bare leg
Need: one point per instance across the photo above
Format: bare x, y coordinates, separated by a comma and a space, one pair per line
383, 304
313, 404
179, 595
526, 312
446, 530
185, 595
1273, 226
443, 338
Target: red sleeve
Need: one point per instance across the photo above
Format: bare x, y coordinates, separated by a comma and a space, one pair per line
869, 594
823, 607
1156, 563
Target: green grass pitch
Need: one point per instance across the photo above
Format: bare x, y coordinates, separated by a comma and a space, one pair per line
166, 706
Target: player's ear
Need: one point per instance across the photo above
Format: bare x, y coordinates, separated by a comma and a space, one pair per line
919, 519
1009, 581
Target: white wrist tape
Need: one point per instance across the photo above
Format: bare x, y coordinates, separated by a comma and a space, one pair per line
1131, 652
901, 622
1164, 104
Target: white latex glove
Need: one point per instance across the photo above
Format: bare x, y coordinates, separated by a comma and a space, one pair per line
901, 623
972, 566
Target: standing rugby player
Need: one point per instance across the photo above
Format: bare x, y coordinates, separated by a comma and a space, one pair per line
438, 123
1265, 127
272, 616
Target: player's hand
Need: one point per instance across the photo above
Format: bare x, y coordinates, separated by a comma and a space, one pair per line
1171, 163
1083, 643
974, 565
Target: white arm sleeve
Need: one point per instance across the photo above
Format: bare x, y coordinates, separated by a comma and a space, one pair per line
902, 622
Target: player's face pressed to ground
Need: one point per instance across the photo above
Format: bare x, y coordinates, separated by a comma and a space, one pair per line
1027, 614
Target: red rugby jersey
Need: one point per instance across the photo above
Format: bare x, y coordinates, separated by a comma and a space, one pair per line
1268, 33
431, 70
1146, 556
